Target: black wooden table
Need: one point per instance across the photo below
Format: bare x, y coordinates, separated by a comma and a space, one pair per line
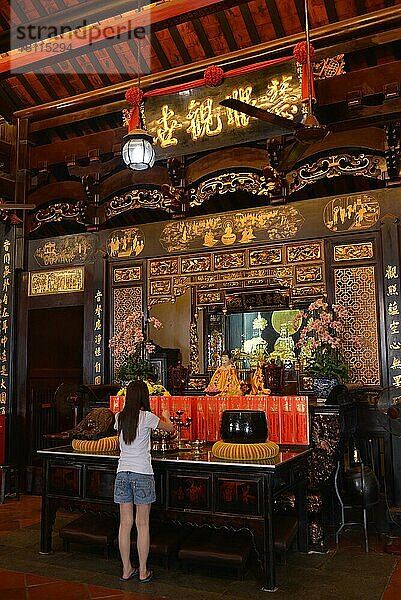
196, 490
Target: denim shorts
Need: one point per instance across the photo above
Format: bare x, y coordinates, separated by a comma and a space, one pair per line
134, 487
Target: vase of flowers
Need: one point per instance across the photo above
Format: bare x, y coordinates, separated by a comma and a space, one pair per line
131, 350
320, 346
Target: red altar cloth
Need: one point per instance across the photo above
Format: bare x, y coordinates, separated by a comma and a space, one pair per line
287, 416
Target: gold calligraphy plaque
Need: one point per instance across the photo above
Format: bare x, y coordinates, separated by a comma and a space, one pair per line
62, 281
353, 252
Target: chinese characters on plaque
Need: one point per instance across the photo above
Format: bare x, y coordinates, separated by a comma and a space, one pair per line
5, 296
392, 295
98, 338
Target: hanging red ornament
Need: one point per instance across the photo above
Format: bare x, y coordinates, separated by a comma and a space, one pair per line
300, 53
213, 76
134, 96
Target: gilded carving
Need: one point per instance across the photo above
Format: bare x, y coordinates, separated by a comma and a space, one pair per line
209, 298
136, 198
308, 291
355, 288
304, 252
164, 266
59, 211
353, 252
281, 222
226, 183
336, 165
63, 251
265, 257
347, 213
329, 67
61, 281
125, 243
194, 363
308, 274
196, 264
232, 260
160, 287
128, 274
126, 300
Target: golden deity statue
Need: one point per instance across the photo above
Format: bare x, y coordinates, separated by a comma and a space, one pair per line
225, 379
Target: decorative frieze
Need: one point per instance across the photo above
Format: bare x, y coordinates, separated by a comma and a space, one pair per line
164, 266
127, 274
349, 213
64, 251
308, 274
69, 211
232, 260
267, 256
160, 287
304, 252
196, 264
125, 243
345, 252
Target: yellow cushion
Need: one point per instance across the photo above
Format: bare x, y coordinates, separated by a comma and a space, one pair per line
230, 451
107, 444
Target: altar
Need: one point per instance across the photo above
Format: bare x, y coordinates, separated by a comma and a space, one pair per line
192, 491
287, 416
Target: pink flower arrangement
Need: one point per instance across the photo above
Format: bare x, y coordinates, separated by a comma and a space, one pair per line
320, 340
129, 346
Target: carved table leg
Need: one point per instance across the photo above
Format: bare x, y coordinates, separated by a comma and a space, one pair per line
268, 559
46, 525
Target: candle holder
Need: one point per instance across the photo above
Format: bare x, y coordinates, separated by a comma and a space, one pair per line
180, 424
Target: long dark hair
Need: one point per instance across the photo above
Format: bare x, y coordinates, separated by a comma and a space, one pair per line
136, 398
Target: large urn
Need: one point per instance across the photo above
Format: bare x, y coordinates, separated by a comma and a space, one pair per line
244, 426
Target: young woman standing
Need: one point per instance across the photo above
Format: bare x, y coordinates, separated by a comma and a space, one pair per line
134, 482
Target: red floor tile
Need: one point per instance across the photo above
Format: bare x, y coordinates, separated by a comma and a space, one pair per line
60, 590
32, 580
11, 580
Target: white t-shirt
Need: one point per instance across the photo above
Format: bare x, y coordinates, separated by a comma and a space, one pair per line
136, 457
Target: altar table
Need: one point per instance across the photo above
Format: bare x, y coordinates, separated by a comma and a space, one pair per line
287, 416
199, 491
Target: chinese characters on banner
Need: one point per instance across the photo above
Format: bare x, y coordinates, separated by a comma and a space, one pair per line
183, 123
98, 339
392, 293
5, 324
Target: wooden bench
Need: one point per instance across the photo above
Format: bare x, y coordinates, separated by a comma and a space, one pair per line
217, 548
98, 530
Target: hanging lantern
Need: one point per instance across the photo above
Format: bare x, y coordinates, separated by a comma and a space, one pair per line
138, 152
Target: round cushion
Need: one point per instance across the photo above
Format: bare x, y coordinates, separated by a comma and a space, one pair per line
231, 451
107, 444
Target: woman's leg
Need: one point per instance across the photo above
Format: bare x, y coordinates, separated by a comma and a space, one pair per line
124, 537
143, 539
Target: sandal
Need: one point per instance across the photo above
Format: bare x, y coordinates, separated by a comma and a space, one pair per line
133, 574
148, 578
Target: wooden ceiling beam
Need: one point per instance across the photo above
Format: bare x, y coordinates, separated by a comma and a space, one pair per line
372, 30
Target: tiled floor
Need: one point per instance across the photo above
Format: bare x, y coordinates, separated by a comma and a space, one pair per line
83, 574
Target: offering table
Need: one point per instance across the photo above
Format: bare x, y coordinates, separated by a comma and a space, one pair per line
198, 490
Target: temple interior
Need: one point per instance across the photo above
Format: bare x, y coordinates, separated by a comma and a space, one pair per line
202, 196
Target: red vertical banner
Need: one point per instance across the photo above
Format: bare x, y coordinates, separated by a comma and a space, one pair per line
273, 418
301, 420
287, 420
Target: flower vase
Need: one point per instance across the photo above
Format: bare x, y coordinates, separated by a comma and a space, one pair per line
322, 387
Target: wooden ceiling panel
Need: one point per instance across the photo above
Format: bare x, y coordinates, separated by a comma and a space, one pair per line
76, 82
155, 64
29, 11
372, 5
53, 83
39, 88
346, 9
289, 17
215, 35
191, 41
20, 91
128, 58
109, 67
318, 13
237, 25
169, 48
262, 20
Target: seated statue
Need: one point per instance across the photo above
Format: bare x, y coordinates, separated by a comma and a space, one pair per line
225, 378
284, 346
258, 383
